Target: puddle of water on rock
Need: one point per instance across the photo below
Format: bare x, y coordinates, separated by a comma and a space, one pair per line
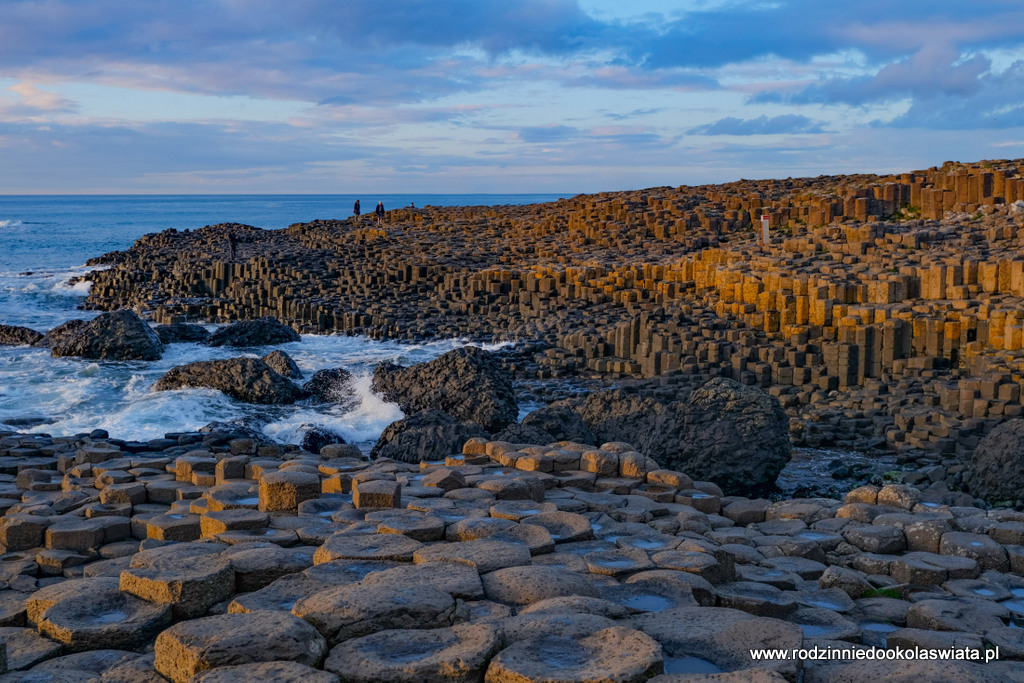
564, 655
824, 604
616, 564
648, 545
1017, 592
878, 627
648, 603
287, 604
983, 591
596, 527
814, 535
111, 617
691, 665
1016, 606
248, 501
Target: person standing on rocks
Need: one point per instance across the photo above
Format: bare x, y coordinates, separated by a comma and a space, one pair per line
356, 211
231, 245
379, 211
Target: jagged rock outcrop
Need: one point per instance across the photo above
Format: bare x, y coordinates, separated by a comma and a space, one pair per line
120, 335
61, 332
467, 383
562, 423
332, 385
260, 332
282, 364
243, 379
12, 335
427, 435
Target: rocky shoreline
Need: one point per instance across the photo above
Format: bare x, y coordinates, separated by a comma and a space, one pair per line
627, 529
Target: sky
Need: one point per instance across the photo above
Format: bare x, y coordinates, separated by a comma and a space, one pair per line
496, 96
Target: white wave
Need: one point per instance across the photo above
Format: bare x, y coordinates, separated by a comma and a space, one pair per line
10, 223
80, 288
360, 422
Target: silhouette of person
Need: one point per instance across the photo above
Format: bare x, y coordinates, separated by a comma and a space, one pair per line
231, 245
355, 210
380, 213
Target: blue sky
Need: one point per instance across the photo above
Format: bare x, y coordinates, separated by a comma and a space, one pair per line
351, 96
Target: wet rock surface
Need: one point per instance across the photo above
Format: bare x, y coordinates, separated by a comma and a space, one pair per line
120, 335
12, 335
244, 379
513, 561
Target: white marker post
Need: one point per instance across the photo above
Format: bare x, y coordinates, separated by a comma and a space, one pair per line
766, 222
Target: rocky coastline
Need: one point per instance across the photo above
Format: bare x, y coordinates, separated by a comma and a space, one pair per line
629, 528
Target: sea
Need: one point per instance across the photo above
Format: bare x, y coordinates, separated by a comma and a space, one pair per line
45, 242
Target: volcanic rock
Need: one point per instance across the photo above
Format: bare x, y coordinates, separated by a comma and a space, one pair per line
120, 335
468, 383
281, 363
332, 385
427, 435
261, 332
996, 472
11, 335
244, 379
180, 333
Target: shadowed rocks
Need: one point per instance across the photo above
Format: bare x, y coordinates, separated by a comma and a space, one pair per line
243, 379
120, 335
261, 332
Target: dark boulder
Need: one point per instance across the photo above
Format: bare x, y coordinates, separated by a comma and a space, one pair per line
12, 335
316, 438
261, 332
281, 363
118, 335
562, 423
520, 433
996, 471
333, 385
726, 432
181, 333
467, 383
427, 435
60, 333
243, 379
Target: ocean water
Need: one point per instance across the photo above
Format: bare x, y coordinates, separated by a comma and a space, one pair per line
45, 241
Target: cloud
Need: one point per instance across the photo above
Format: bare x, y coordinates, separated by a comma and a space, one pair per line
547, 134
762, 125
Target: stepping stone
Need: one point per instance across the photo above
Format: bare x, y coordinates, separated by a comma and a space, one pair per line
576, 604
26, 648
476, 528
458, 653
378, 493
956, 614
527, 585
258, 567
190, 583
876, 539
282, 594
367, 547
416, 525
564, 527
518, 510
978, 547
284, 490
723, 637
567, 624
484, 555
278, 672
357, 610
218, 521
174, 527
94, 661
758, 599
458, 580
701, 589
612, 654
618, 562
190, 647
48, 596
703, 565
829, 598
825, 624
98, 615
536, 538
652, 595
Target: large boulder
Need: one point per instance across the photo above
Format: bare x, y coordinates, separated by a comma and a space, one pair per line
180, 333
467, 383
996, 472
12, 335
562, 423
119, 335
260, 332
734, 435
315, 438
282, 364
427, 435
243, 379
